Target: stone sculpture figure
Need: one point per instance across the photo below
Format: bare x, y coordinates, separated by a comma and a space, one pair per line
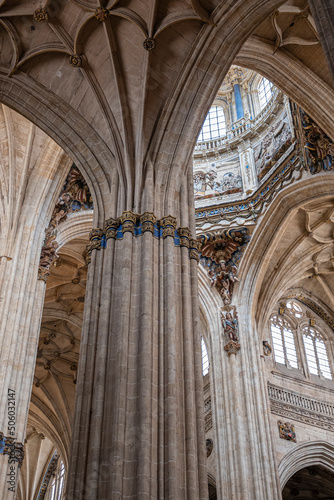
230, 324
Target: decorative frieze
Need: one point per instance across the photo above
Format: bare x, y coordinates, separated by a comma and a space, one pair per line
137, 224
250, 209
295, 406
48, 474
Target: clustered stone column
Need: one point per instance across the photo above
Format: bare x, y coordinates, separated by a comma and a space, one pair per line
139, 427
21, 304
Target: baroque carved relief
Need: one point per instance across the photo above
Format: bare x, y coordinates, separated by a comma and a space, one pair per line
275, 143
319, 148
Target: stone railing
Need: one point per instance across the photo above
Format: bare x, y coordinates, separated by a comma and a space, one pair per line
301, 408
242, 126
278, 394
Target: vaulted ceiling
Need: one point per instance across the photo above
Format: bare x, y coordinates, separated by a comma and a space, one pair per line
141, 74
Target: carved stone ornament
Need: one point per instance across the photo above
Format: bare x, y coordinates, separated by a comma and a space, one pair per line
286, 431
281, 309
194, 247
14, 450
232, 347
101, 14
319, 148
95, 237
110, 228
147, 220
267, 349
75, 60
230, 324
149, 44
128, 221
168, 224
184, 235
220, 253
40, 15
209, 447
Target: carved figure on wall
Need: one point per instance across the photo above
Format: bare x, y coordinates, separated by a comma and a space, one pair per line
267, 349
49, 252
208, 184
286, 431
220, 253
230, 324
272, 147
319, 147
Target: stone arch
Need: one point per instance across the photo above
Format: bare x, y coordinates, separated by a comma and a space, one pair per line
264, 240
306, 455
290, 75
74, 135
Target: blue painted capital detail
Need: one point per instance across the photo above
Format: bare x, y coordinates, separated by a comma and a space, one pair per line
138, 224
12, 448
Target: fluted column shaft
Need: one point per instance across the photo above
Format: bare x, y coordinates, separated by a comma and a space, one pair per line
138, 430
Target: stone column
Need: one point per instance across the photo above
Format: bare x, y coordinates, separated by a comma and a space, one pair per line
323, 14
26, 208
138, 430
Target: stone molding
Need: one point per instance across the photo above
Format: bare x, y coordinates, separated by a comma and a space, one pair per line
138, 224
298, 407
306, 455
50, 471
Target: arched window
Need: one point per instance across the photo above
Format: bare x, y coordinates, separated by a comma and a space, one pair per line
316, 353
56, 490
283, 342
214, 125
265, 92
205, 358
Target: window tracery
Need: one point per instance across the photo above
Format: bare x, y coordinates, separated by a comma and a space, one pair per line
283, 342
56, 489
297, 342
316, 352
